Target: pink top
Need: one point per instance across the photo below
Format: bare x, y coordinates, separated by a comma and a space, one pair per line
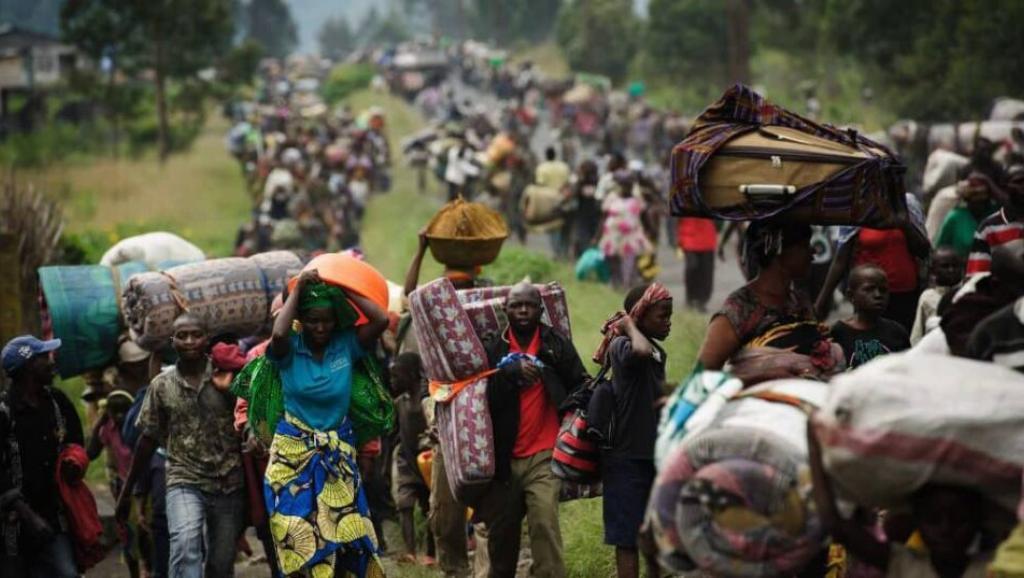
110, 436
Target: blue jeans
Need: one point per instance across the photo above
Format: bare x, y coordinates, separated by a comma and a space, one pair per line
200, 522
53, 560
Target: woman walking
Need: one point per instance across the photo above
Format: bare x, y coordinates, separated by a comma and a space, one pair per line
622, 235
314, 494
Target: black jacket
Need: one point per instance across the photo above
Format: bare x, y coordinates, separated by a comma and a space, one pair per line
563, 373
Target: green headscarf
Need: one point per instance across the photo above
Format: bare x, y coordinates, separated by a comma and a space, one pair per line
324, 296
259, 382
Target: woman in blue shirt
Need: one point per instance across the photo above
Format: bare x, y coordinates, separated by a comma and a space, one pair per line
312, 486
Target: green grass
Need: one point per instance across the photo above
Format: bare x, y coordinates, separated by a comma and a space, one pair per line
198, 194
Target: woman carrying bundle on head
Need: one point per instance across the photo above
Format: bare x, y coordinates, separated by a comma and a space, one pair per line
766, 328
312, 487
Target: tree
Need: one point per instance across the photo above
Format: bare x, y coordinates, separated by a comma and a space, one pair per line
391, 30
172, 38
599, 36
935, 59
685, 42
368, 27
388, 30
737, 14
270, 24
240, 66
506, 21
336, 38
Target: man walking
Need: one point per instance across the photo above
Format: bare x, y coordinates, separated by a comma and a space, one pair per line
193, 418
36, 419
539, 368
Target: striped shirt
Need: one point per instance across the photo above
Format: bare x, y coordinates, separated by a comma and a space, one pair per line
997, 229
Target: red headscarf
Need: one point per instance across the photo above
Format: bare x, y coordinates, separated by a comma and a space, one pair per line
655, 292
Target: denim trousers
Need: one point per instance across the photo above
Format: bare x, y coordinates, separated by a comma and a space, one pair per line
204, 530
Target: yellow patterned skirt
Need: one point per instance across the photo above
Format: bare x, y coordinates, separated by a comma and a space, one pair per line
318, 511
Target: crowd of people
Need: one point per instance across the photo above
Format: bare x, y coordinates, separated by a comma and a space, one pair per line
195, 458
570, 160
310, 170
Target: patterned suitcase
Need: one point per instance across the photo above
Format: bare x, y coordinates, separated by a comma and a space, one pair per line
485, 307
467, 441
449, 346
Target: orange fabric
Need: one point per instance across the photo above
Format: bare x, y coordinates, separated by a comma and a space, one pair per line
538, 417
444, 392
352, 275
80, 509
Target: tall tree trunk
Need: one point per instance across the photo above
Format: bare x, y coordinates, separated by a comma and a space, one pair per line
738, 30
163, 125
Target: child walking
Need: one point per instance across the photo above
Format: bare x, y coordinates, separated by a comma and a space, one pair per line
106, 434
638, 368
947, 271
408, 487
867, 334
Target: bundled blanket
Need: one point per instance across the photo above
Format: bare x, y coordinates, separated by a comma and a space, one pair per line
733, 498
232, 294
900, 422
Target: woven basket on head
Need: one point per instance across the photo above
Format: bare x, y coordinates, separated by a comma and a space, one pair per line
465, 234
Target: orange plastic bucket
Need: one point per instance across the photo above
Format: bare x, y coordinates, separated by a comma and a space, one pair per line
350, 274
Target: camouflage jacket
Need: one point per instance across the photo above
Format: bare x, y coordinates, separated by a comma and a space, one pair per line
196, 426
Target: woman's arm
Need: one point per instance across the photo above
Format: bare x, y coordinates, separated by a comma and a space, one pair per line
839, 268
720, 343
850, 534
369, 333
917, 242
412, 276
280, 343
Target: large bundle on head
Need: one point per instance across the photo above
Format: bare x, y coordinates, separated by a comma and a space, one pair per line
486, 308
465, 234
746, 158
351, 274
733, 498
901, 422
232, 294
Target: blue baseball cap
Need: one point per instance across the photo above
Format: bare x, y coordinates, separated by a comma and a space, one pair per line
21, 349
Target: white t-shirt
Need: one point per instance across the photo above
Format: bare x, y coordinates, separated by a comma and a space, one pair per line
906, 563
